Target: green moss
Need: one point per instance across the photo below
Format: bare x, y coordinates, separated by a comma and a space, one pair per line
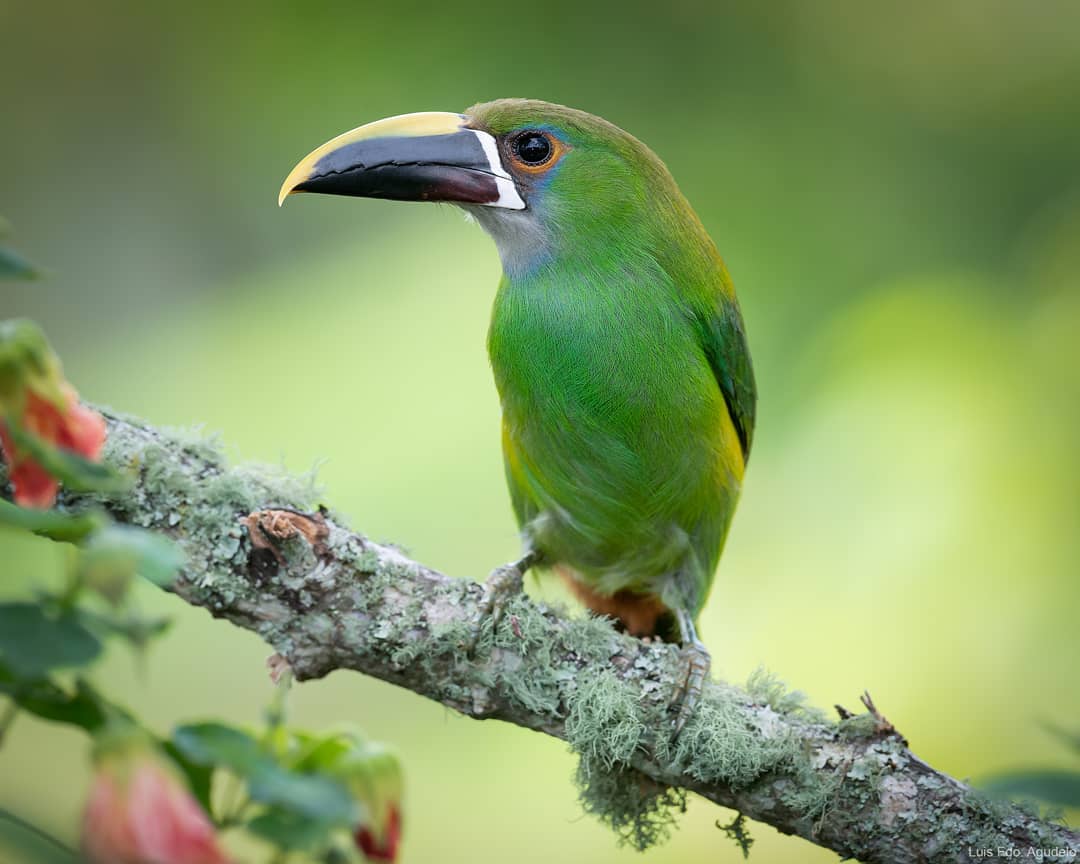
194, 441
531, 668
528, 668
719, 745
765, 688
738, 833
380, 577
610, 724
642, 813
607, 727
449, 638
604, 724
185, 490
590, 638
523, 629
406, 654
611, 718
988, 822
812, 792
858, 726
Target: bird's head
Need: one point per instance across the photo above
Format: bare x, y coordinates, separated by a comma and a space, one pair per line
546, 181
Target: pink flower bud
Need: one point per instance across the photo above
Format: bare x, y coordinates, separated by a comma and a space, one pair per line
140, 812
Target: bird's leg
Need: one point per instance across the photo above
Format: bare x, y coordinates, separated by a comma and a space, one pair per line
501, 587
694, 662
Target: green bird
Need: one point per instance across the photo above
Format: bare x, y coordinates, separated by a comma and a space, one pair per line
616, 340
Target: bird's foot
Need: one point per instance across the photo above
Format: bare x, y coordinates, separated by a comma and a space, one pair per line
502, 586
694, 663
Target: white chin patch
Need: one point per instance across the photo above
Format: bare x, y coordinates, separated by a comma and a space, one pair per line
509, 198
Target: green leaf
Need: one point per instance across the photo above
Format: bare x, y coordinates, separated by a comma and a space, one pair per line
306, 795
64, 527
287, 830
135, 629
14, 266
218, 744
369, 769
22, 841
83, 707
27, 362
32, 642
315, 753
1069, 739
1055, 787
26, 358
151, 555
199, 777
71, 469
112, 558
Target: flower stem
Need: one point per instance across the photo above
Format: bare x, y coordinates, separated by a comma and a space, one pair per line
233, 803
6, 719
8, 816
67, 600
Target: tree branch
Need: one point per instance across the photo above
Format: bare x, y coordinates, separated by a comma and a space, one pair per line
326, 598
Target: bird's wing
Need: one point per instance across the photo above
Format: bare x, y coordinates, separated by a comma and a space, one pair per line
724, 341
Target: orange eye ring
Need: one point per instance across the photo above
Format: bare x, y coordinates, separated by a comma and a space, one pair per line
535, 151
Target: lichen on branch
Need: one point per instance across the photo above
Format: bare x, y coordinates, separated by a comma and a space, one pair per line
264, 554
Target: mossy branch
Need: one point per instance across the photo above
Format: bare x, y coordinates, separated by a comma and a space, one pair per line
326, 598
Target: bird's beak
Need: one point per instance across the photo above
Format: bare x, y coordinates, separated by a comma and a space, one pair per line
431, 156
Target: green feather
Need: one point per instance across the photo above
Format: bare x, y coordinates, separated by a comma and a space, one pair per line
621, 362
724, 339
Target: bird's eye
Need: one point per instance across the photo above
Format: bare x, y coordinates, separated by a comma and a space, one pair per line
532, 148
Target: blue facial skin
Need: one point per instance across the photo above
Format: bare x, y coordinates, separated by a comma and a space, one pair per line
531, 257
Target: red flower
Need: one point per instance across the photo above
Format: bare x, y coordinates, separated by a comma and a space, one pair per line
383, 847
140, 812
73, 428
373, 774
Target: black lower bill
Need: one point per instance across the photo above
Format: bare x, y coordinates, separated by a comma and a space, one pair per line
408, 168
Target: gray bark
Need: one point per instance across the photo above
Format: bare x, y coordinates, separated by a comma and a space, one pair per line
325, 598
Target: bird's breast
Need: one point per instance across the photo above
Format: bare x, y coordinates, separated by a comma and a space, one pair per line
615, 431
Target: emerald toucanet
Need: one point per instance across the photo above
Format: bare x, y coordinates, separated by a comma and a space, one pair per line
616, 340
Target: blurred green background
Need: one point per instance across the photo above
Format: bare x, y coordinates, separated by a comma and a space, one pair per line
896, 190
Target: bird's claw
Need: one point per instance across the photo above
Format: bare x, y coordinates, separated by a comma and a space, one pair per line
504, 583
695, 662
